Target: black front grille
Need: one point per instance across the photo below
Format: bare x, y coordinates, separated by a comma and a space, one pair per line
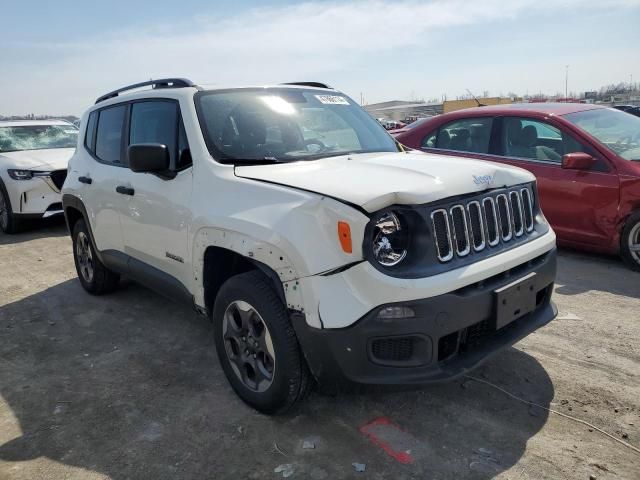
527, 206
58, 177
476, 225
460, 230
503, 215
516, 207
492, 221
440, 221
393, 349
489, 219
478, 332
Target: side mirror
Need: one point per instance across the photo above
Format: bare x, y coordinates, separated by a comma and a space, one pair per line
148, 157
578, 161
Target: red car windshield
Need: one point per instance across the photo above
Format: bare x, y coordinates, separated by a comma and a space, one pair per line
619, 131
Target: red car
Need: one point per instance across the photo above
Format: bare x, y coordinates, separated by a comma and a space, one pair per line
586, 159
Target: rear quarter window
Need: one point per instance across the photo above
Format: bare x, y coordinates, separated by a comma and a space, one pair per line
90, 136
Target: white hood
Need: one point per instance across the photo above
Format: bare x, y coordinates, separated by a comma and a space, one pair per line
377, 180
46, 159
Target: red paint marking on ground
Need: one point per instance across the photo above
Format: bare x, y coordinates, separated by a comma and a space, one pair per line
395, 441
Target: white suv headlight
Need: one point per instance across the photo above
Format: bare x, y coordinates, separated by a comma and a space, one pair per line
390, 239
20, 174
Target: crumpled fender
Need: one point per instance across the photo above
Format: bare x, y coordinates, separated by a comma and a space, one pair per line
295, 241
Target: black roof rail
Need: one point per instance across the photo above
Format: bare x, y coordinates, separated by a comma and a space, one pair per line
160, 83
309, 84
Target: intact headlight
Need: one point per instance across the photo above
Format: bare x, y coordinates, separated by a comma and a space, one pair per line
20, 174
390, 239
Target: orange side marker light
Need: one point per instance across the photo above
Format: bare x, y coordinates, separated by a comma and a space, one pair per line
344, 234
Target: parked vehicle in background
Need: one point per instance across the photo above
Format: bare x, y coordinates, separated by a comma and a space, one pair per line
33, 166
393, 125
319, 248
586, 159
408, 127
632, 109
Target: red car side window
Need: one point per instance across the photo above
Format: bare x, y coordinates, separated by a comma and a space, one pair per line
466, 135
538, 140
430, 140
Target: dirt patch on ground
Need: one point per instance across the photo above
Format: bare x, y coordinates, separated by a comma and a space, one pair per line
128, 386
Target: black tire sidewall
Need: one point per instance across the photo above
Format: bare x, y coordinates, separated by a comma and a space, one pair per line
12, 223
256, 291
632, 221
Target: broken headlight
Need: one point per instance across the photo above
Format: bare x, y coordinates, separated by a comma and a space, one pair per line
390, 239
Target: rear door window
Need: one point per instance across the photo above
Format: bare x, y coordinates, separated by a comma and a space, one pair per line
467, 135
109, 134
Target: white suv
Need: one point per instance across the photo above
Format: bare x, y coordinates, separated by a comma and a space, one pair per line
33, 165
318, 246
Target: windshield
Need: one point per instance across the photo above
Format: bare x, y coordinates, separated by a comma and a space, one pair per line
37, 137
284, 125
617, 130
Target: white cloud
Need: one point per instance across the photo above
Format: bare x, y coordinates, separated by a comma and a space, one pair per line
262, 45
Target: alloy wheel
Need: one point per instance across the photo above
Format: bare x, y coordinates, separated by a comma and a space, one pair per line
84, 256
248, 346
634, 242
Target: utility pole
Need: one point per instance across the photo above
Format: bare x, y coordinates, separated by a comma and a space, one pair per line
566, 83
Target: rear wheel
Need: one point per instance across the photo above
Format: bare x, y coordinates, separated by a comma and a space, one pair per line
94, 276
257, 346
9, 223
630, 242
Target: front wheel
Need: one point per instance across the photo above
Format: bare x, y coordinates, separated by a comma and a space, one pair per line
257, 345
9, 223
630, 242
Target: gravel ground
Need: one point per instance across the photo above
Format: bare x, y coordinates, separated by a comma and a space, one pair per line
128, 386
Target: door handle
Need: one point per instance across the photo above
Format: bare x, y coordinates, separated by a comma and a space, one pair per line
125, 190
86, 180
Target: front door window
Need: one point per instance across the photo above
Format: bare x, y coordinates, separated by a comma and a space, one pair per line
536, 140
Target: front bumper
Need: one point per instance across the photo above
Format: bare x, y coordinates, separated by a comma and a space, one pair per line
449, 335
37, 197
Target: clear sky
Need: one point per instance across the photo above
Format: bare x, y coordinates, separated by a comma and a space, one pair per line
57, 56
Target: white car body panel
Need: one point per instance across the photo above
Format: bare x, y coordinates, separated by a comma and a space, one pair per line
45, 160
155, 221
377, 180
104, 207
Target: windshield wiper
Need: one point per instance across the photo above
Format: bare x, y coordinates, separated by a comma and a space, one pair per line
239, 162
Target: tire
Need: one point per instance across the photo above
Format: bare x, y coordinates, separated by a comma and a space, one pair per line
630, 242
247, 307
9, 223
93, 275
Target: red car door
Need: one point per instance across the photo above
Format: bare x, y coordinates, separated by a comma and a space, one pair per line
581, 205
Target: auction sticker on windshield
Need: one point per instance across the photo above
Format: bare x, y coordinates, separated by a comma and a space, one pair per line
332, 99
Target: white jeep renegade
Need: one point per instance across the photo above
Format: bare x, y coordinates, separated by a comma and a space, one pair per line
319, 247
